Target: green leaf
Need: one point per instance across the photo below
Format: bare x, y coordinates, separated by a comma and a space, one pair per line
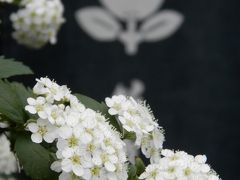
132, 172
129, 135
90, 103
9, 67
101, 107
13, 176
35, 159
13, 100
140, 166
22, 92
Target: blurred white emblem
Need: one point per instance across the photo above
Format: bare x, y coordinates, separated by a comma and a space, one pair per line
129, 21
135, 90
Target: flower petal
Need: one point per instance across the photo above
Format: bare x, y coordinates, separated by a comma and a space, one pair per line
37, 138
66, 165
109, 166
49, 137
31, 109
78, 170
56, 166
33, 127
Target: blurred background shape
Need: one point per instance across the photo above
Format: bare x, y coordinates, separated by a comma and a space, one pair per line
136, 89
103, 24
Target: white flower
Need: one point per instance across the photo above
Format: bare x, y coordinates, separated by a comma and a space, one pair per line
121, 172
71, 116
37, 106
37, 22
75, 160
179, 166
129, 122
42, 130
63, 94
201, 159
55, 114
87, 146
44, 86
75, 104
137, 117
134, 116
95, 173
70, 137
8, 163
116, 104
103, 158
151, 173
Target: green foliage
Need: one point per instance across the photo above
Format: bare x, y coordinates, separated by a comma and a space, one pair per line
13, 96
13, 100
101, 107
129, 135
22, 92
9, 67
90, 103
140, 166
135, 170
13, 176
35, 159
132, 172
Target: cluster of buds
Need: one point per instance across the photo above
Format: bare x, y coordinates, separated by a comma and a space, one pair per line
37, 22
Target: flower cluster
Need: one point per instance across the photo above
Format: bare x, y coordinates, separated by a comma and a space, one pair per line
37, 22
87, 145
8, 163
179, 166
136, 117
6, 1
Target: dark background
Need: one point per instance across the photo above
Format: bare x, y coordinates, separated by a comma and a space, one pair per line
192, 78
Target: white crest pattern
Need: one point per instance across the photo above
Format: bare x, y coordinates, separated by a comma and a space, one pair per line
104, 24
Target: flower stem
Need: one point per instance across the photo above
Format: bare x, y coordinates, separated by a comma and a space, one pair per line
131, 37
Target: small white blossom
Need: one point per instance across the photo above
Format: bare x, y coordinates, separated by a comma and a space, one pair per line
70, 137
95, 173
116, 104
42, 130
55, 114
37, 106
179, 166
45, 86
106, 159
37, 22
75, 104
151, 173
51, 90
120, 173
75, 160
